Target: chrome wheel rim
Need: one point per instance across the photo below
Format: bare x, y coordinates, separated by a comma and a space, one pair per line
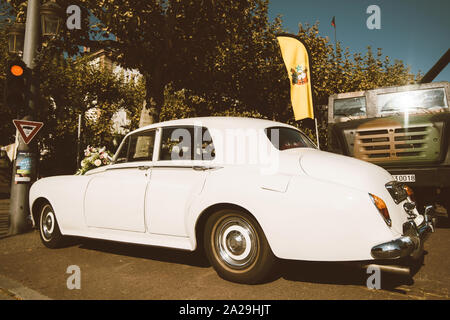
236, 242
48, 224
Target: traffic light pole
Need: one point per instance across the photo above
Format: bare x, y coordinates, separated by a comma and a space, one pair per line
19, 207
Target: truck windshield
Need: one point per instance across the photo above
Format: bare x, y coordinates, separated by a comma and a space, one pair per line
412, 101
286, 138
350, 107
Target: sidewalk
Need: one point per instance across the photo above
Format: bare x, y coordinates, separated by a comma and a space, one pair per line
4, 217
14, 290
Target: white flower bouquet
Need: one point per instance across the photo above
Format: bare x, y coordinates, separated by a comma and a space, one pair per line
94, 158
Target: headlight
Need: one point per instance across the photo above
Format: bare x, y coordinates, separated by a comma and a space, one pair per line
382, 208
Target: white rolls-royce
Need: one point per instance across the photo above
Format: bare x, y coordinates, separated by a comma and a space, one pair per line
247, 191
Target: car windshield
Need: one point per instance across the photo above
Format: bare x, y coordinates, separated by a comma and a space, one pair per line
287, 138
350, 107
412, 101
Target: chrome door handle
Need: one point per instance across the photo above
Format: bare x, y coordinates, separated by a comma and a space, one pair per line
144, 167
204, 168
200, 168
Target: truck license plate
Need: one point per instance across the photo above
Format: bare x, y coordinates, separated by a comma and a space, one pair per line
405, 177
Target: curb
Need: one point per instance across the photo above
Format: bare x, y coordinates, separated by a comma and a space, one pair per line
19, 291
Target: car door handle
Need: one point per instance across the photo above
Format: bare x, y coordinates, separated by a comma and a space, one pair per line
204, 168
200, 168
144, 167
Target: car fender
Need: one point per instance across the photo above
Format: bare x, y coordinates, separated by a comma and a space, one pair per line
66, 195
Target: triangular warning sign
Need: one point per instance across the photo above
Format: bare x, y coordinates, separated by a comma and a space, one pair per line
27, 129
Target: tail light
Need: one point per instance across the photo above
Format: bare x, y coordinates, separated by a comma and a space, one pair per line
382, 208
410, 192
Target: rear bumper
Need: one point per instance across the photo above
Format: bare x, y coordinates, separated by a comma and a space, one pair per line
411, 243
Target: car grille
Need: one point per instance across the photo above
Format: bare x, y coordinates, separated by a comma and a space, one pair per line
395, 144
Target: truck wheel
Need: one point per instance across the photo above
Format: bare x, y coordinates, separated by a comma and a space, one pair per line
49, 231
237, 248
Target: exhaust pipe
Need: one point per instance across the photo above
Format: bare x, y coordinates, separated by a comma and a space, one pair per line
400, 270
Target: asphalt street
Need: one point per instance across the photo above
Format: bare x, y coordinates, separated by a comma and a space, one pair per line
110, 270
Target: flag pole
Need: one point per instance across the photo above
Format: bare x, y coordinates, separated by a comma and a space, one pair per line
317, 132
333, 23
335, 39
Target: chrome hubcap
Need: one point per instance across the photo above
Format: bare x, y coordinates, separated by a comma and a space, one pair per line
48, 224
236, 242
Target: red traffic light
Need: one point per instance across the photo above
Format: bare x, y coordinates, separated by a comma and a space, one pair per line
16, 70
16, 84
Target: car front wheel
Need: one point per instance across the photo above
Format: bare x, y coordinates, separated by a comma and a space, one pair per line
237, 248
48, 228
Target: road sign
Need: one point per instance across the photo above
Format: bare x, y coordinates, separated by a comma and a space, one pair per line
28, 129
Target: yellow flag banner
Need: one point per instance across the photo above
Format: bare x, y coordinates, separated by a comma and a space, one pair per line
296, 59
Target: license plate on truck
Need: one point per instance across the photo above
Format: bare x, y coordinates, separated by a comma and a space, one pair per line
405, 177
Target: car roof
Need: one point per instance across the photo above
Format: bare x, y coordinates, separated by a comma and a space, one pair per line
218, 123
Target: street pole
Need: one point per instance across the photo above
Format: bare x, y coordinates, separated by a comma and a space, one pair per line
19, 206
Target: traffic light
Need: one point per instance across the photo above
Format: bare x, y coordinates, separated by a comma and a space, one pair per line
17, 85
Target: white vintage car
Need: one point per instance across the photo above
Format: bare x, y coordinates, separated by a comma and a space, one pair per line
247, 191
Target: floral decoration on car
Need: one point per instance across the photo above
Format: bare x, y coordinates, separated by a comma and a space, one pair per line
94, 158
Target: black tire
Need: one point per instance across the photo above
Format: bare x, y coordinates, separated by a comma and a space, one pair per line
237, 248
49, 231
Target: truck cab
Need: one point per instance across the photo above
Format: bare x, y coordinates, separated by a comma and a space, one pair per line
404, 129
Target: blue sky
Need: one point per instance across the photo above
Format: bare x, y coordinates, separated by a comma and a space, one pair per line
414, 31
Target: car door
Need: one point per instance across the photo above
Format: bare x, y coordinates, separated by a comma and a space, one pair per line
115, 198
178, 177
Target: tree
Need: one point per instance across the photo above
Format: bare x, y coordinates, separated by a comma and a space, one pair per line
186, 45
69, 89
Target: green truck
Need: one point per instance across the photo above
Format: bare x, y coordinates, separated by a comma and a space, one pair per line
404, 129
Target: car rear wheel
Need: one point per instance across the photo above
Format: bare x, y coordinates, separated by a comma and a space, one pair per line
237, 248
48, 228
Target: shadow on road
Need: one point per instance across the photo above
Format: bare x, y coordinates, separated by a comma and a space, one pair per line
302, 271
338, 273
145, 252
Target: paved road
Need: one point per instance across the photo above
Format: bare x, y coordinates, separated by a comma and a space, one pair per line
112, 270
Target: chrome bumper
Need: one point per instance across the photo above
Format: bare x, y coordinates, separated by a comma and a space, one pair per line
411, 243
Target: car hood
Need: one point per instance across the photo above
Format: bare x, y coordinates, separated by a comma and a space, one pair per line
343, 170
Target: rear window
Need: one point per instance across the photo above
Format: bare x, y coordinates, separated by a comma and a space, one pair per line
287, 138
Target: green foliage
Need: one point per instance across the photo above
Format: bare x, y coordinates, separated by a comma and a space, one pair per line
69, 89
6, 114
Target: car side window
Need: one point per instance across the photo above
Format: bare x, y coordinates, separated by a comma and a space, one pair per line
123, 152
186, 143
207, 149
137, 147
141, 146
